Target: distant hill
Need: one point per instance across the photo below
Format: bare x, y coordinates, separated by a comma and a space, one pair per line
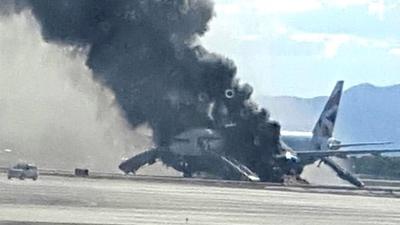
367, 113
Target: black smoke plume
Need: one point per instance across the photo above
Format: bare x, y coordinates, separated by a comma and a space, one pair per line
148, 53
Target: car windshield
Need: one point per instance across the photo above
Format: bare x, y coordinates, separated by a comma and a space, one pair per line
21, 166
24, 166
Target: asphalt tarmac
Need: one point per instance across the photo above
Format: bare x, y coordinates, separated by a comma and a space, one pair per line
71, 200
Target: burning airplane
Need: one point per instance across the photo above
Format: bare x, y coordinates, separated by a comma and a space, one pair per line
148, 54
205, 150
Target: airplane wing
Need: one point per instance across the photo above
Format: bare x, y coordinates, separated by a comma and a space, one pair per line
337, 146
326, 153
342, 172
139, 160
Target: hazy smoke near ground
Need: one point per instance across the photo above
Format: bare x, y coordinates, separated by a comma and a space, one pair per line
147, 54
51, 111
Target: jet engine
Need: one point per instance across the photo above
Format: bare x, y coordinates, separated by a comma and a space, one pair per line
229, 93
333, 144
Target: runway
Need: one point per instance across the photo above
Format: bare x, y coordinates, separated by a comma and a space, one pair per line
71, 200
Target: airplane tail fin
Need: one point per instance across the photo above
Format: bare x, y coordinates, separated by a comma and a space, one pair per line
323, 129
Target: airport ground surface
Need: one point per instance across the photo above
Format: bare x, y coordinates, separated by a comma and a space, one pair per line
146, 200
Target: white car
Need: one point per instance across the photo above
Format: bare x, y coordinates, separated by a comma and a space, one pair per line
22, 171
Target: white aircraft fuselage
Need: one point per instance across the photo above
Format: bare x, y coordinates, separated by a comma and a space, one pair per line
298, 140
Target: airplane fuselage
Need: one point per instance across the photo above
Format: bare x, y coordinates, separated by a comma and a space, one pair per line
297, 140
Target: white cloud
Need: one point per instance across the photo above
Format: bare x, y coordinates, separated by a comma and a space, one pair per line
376, 8
266, 23
280, 28
332, 42
285, 6
250, 37
395, 51
381, 7
272, 30
346, 3
268, 6
228, 8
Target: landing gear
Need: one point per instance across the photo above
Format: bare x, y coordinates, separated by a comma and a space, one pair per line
293, 180
187, 172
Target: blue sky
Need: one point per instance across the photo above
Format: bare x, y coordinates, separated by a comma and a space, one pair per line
301, 47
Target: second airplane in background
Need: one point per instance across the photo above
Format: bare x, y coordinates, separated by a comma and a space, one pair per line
307, 147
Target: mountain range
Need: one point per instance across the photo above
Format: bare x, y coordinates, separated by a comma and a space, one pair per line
366, 113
